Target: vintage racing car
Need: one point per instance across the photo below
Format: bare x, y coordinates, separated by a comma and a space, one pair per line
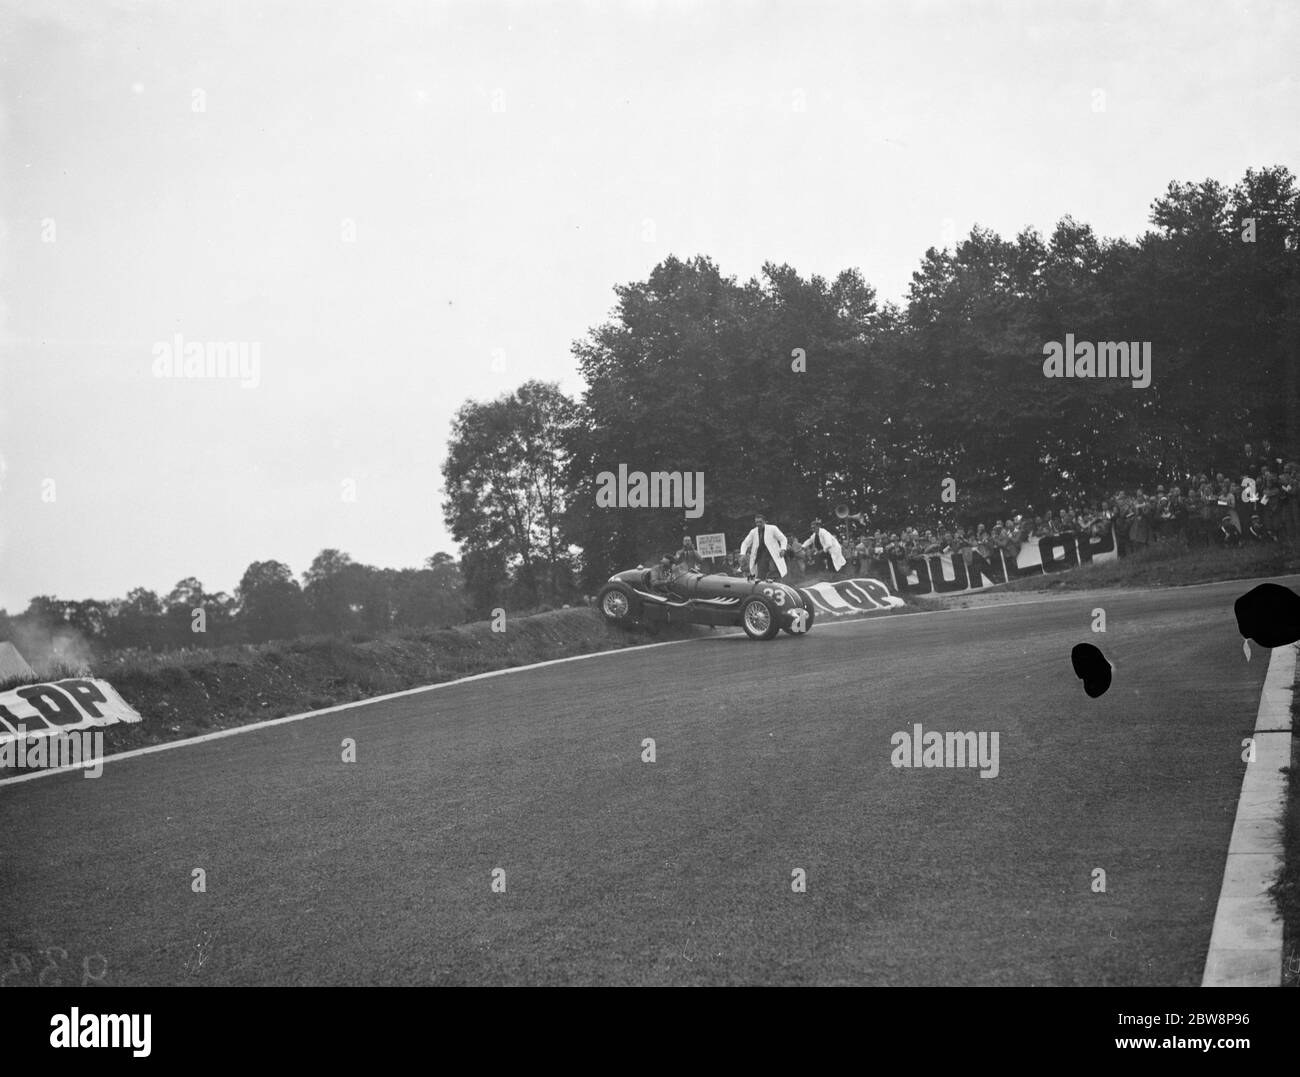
761, 607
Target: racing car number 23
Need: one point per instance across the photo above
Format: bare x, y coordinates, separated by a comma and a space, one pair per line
798, 616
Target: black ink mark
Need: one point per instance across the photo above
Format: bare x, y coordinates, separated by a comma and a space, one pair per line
1269, 614
1091, 667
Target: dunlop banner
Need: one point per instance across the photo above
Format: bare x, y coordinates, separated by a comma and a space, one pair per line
43, 710
951, 574
850, 596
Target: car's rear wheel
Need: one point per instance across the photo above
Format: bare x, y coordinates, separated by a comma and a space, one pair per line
807, 621
615, 604
758, 618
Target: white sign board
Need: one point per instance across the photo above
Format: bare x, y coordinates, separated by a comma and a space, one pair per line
711, 545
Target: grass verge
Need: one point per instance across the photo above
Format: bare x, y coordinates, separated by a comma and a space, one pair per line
1168, 564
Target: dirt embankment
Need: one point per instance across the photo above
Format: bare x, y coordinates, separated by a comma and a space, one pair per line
188, 693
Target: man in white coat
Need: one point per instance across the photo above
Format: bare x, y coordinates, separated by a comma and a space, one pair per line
763, 551
822, 541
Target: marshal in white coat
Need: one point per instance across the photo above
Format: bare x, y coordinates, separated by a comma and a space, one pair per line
829, 543
775, 542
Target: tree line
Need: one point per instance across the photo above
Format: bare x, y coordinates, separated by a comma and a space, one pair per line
794, 394
336, 596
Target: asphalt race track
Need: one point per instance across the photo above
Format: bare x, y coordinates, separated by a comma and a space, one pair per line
770, 757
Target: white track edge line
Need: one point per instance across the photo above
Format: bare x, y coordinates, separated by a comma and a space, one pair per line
268, 723
1246, 914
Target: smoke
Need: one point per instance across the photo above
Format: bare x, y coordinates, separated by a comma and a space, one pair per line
51, 649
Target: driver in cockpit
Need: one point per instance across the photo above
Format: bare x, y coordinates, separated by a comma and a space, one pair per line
661, 575
669, 576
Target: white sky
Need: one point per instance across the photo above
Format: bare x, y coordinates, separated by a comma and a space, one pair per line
480, 229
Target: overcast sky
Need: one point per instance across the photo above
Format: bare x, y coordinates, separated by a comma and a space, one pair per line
505, 165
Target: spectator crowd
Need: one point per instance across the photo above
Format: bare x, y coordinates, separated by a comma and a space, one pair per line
1255, 500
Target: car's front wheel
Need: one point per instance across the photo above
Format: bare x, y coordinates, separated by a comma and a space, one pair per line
615, 604
758, 618
801, 620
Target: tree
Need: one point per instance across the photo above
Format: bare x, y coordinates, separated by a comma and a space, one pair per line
271, 604
486, 578
90, 617
775, 391
505, 493
325, 564
222, 625
138, 621
330, 592
429, 597
181, 602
